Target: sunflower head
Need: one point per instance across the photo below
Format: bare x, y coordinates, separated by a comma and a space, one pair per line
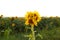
29, 15
32, 18
37, 17
13, 24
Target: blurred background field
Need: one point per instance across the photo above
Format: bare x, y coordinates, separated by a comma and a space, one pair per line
48, 27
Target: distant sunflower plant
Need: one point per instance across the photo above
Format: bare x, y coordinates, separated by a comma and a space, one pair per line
32, 18
13, 24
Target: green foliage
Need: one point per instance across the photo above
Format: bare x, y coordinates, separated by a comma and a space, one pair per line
47, 23
47, 27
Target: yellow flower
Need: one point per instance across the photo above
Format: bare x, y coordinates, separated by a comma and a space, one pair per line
37, 17
29, 18
29, 15
32, 18
13, 24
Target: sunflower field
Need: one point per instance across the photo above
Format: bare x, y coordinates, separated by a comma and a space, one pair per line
14, 28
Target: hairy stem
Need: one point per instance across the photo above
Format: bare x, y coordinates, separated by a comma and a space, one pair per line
33, 33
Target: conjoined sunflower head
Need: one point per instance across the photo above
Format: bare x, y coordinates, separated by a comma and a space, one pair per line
32, 18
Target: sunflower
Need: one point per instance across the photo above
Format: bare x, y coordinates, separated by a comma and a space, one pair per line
29, 15
32, 18
13, 24
37, 17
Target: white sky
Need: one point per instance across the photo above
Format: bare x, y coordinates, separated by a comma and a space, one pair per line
20, 7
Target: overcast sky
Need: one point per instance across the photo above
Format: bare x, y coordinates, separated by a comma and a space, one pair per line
20, 7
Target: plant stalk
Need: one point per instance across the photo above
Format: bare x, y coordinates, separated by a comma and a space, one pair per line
33, 33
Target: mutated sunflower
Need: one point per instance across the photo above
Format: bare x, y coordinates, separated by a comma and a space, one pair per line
32, 18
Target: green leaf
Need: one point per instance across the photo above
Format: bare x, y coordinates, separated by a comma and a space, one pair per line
38, 35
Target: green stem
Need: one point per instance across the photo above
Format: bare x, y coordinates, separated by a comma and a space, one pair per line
33, 33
